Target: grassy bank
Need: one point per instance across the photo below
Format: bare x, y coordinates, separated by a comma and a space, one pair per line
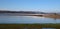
29, 26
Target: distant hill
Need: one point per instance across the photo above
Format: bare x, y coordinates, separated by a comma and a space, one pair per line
29, 12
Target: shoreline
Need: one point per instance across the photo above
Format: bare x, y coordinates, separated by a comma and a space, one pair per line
39, 15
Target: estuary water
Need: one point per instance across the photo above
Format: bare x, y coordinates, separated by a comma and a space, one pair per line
6, 19
27, 19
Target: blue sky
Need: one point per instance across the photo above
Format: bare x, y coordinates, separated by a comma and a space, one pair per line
31, 5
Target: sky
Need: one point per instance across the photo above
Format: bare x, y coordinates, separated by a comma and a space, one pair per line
30, 5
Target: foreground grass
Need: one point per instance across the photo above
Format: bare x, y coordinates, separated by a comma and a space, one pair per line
29, 26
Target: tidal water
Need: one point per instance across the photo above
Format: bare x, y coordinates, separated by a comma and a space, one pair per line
27, 19
6, 19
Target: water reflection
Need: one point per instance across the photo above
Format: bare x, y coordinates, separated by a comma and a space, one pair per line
27, 19
30, 20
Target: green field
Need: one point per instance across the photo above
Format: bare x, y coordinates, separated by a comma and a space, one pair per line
29, 26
